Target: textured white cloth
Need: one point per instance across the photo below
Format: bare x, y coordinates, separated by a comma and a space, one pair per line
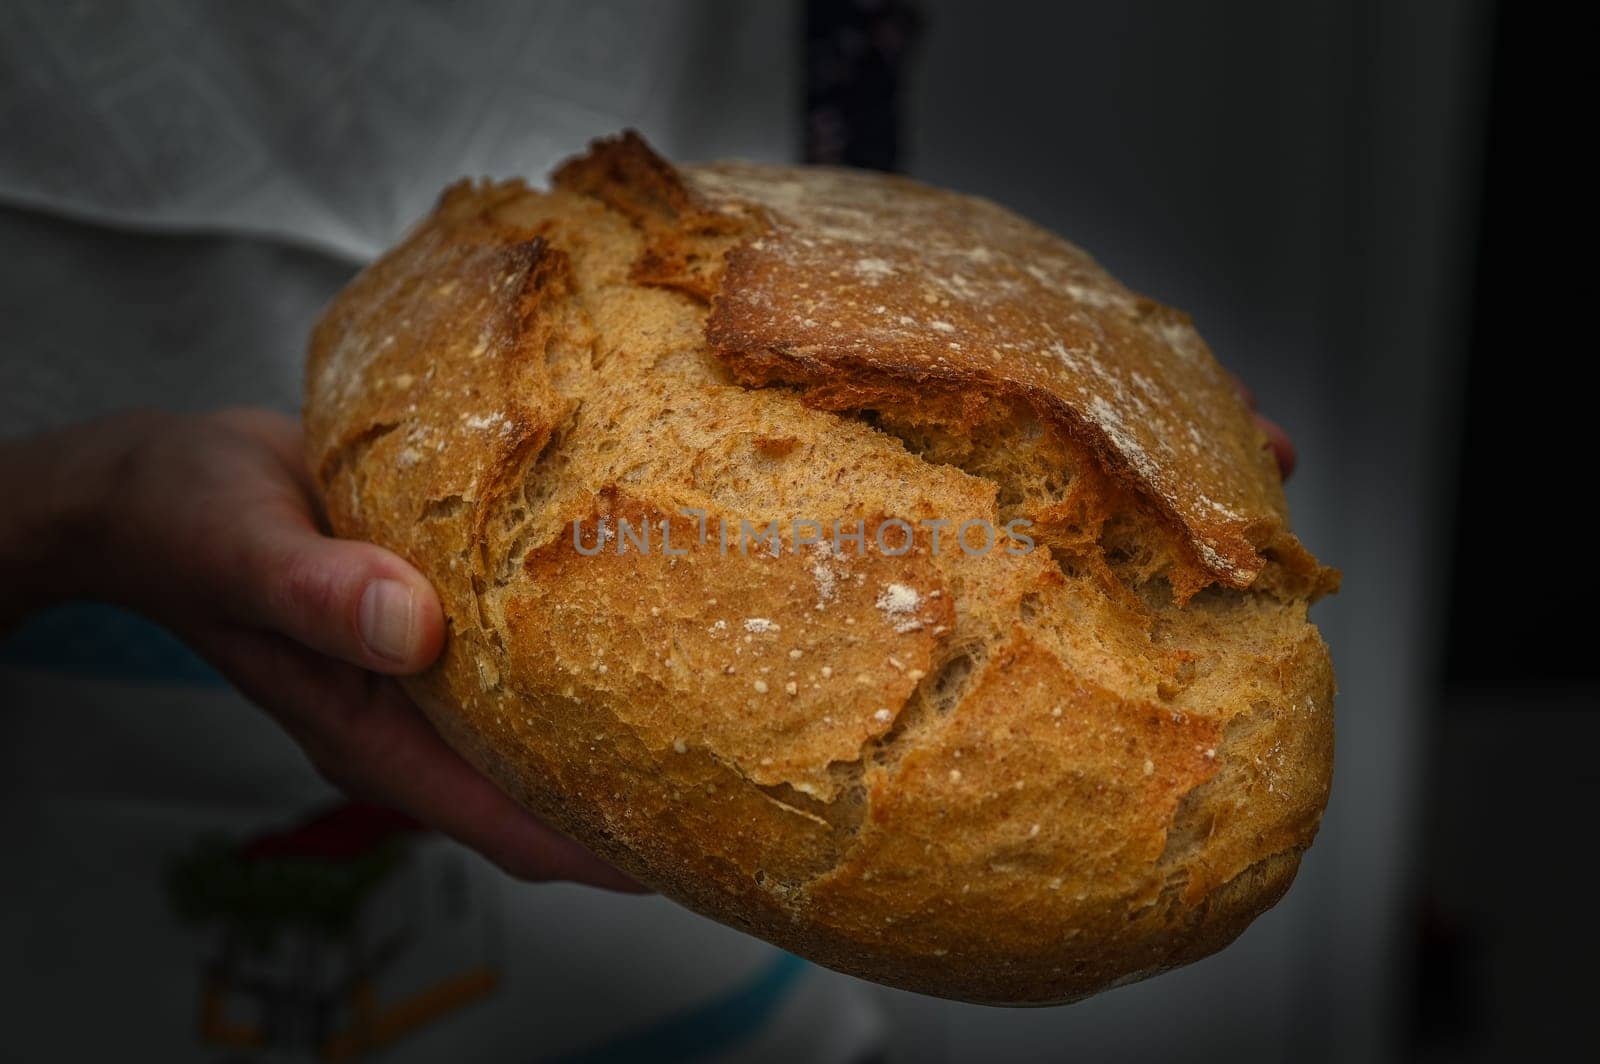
336, 125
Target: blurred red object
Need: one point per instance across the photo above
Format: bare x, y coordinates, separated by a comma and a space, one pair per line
348, 830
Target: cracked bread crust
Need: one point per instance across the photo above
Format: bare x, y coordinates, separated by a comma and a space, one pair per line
1008, 778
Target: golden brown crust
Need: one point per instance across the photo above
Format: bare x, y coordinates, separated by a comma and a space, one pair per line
916, 290
1009, 777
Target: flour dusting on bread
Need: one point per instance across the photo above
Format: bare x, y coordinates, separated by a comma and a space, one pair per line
1011, 776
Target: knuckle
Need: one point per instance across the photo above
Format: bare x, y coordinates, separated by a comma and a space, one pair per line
309, 588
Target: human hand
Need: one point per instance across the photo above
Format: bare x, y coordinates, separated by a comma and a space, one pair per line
207, 524
1282, 446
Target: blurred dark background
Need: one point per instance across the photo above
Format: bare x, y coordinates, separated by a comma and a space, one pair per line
1358, 202
1372, 210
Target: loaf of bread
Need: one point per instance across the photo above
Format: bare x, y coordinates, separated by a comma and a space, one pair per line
702, 461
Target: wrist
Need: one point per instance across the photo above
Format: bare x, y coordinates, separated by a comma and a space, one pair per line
60, 486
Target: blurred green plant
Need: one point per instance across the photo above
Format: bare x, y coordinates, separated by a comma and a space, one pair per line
258, 897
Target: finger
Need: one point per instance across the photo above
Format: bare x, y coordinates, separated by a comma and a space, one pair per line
353, 601
434, 784
1245, 391
366, 737
1282, 446
285, 441
281, 433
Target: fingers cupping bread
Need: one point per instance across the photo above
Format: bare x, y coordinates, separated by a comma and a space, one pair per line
1011, 776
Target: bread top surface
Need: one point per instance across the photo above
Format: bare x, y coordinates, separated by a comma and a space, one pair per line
943, 771
862, 288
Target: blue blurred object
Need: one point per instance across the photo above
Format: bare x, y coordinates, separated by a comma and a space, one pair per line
103, 642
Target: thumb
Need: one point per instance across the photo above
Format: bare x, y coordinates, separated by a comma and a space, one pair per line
354, 601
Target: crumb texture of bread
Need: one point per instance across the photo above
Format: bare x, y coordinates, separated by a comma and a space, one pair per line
1014, 777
